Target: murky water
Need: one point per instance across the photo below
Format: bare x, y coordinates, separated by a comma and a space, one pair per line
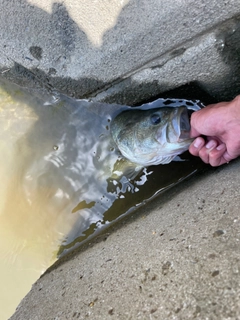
59, 184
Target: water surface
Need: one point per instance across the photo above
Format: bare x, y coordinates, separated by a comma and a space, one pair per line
60, 182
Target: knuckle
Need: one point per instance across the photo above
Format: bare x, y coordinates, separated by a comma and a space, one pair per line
193, 151
204, 155
215, 163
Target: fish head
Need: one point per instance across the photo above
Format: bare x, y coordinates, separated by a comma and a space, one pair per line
154, 136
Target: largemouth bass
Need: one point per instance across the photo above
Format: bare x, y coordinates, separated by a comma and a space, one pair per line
154, 135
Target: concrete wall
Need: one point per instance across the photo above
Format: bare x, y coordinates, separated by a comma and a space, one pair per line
122, 51
126, 52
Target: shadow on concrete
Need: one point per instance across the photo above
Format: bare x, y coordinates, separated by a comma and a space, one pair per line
228, 46
71, 42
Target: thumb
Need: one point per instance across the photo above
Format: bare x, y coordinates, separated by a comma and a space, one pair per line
193, 122
194, 133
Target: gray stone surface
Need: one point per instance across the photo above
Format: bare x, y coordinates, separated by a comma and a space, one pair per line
153, 45
177, 258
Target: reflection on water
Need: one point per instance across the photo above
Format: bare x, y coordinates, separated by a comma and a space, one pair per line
60, 184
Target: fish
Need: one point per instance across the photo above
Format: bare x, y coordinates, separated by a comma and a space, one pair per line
152, 136
113, 169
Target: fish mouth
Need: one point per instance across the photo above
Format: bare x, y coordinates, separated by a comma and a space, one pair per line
184, 124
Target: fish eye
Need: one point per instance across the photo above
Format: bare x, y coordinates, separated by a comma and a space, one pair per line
155, 119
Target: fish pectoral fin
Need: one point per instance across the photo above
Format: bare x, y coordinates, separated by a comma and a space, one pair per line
132, 171
126, 168
166, 160
178, 158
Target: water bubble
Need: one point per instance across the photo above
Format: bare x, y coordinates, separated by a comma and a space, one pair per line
55, 147
220, 44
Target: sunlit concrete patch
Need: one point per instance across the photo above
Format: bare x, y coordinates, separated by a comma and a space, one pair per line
94, 17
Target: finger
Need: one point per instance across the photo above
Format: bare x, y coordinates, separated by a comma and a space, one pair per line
205, 151
216, 156
194, 133
227, 157
196, 146
193, 123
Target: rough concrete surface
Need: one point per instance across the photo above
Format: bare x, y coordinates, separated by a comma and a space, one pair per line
147, 50
179, 258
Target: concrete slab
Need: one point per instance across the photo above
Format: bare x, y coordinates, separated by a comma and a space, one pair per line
177, 258
146, 46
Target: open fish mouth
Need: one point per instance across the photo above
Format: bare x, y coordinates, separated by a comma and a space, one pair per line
184, 124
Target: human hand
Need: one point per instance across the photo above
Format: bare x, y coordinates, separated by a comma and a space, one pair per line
220, 124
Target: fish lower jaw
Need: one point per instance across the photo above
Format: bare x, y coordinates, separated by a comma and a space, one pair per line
151, 160
160, 155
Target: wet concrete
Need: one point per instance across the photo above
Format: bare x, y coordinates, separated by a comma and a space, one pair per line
178, 257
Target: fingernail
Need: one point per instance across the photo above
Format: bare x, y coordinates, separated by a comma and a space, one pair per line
221, 147
197, 143
211, 144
